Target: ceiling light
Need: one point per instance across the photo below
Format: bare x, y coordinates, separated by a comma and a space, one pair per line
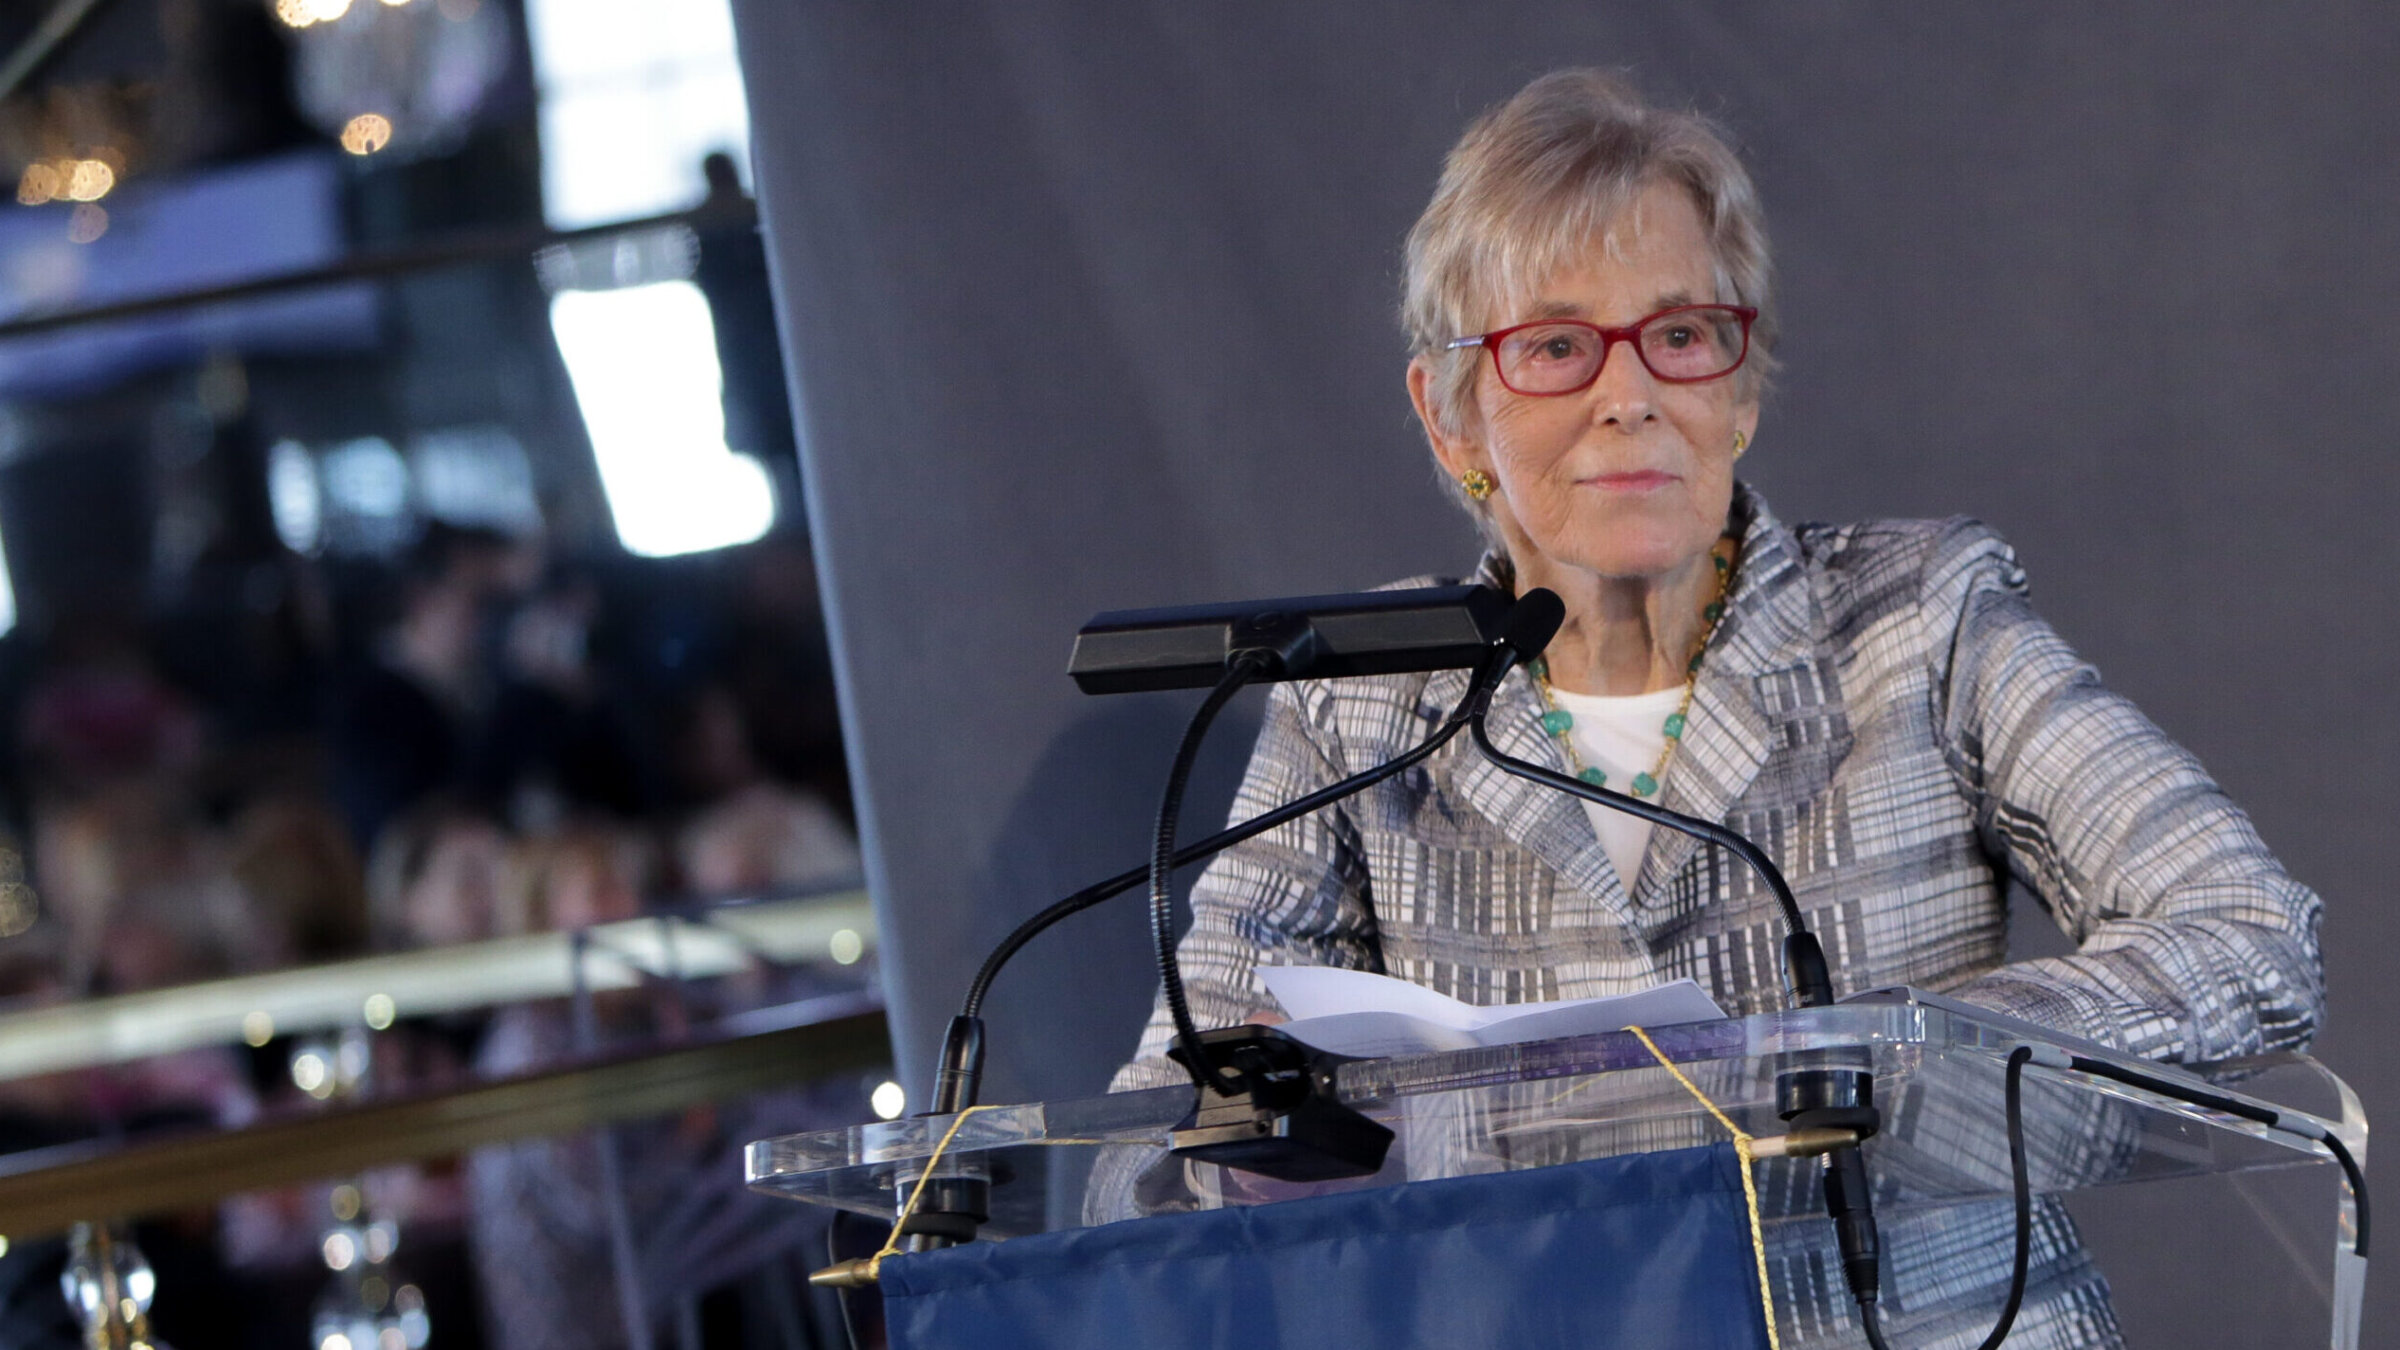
88, 180
367, 133
39, 184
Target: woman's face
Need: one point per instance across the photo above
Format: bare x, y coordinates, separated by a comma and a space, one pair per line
456, 898
1632, 476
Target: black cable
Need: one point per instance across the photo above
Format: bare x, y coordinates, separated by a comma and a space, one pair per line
2358, 1189
2267, 1116
2021, 1181
1530, 625
1873, 1326
961, 1073
1238, 672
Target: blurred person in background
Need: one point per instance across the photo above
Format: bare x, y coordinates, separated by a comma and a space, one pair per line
150, 900
137, 859
539, 1207
99, 715
408, 723
732, 273
584, 874
292, 857
779, 670
442, 874
439, 877
560, 741
751, 834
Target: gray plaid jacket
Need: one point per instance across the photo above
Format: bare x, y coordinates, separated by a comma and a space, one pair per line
1883, 713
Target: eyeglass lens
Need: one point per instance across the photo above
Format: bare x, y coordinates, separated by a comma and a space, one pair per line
1684, 344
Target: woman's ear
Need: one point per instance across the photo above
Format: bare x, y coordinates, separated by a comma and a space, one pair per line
1745, 421
1457, 454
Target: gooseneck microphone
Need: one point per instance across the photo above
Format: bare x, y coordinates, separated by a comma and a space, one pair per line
1288, 1079
1266, 1102
1524, 635
1525, 629
1531, 622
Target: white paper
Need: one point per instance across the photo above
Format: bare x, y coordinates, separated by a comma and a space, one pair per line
1351, 1012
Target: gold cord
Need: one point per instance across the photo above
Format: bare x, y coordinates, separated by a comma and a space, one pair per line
891, 1245
1741, 1147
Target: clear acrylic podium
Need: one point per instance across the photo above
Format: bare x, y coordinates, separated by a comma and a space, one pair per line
2210, 1229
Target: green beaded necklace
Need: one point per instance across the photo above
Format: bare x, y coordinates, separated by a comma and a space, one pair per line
1557, 721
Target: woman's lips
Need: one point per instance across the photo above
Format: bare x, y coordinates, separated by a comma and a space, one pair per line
1641, 480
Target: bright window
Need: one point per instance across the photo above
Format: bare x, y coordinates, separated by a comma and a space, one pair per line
475, 475
634, 93
644, 364
295, 496
8, 596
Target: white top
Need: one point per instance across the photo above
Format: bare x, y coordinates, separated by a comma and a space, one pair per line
1622, 737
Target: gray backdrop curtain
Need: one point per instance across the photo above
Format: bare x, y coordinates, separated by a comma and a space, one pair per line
1089, 306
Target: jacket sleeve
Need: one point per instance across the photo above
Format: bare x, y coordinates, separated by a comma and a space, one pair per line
1296, 895
2193, 943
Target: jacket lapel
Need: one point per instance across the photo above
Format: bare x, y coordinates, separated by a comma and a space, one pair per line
1548, 823
1545, 822
1771, 617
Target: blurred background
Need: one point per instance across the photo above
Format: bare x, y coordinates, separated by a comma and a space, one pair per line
404, 549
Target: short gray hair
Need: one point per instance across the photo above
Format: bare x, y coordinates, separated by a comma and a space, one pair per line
1534, 182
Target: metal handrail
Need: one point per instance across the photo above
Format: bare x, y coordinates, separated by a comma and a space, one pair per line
47, 1190
694, 944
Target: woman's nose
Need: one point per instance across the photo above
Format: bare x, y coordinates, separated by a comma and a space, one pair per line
1624, 394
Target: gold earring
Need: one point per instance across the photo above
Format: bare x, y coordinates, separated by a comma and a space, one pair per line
1477, 483
1740, 443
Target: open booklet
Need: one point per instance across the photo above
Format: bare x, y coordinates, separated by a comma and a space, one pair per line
1351, 1012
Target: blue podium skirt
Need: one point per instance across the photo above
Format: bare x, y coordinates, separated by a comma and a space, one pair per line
1649, 1251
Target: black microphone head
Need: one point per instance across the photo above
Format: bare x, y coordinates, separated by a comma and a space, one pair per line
1533, 622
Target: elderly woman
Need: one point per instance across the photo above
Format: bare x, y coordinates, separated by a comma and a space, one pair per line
1589, 303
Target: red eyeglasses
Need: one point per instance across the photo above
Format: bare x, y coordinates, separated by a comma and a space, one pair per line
1683, 345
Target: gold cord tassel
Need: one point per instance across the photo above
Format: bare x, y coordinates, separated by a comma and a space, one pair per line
1743, 1144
